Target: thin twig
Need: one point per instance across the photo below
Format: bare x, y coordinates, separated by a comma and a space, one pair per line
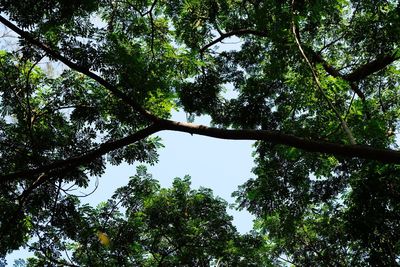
239, 32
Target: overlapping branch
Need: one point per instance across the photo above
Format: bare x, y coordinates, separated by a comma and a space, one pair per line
158, 124
296, 35
363, 71
360, 73
276, 137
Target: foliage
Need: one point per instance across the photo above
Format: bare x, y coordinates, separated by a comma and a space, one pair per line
314, 82
160, 227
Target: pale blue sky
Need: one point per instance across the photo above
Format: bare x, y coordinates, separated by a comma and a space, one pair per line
221, 165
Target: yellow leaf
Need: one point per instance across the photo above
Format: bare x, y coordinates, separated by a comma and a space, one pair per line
103, 238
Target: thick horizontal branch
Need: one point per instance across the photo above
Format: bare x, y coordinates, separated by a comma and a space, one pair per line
56, 55
275, 137
351, 151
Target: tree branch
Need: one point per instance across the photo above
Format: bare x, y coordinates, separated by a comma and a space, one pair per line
358, 151
328, 67
239, 32
358, 74
85, 158
55, 54
371, 67
335, 73
297, 38
275, 137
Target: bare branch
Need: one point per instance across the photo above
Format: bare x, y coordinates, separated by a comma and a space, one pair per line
275, 137
239, 32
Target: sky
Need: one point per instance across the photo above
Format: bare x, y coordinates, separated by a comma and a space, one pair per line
221, 165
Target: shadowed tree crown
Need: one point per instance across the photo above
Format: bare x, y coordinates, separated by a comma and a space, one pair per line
313, 82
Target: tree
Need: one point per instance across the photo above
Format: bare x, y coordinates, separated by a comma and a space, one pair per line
317, 89
161, 227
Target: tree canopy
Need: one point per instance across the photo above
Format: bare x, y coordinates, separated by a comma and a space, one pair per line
314, 83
